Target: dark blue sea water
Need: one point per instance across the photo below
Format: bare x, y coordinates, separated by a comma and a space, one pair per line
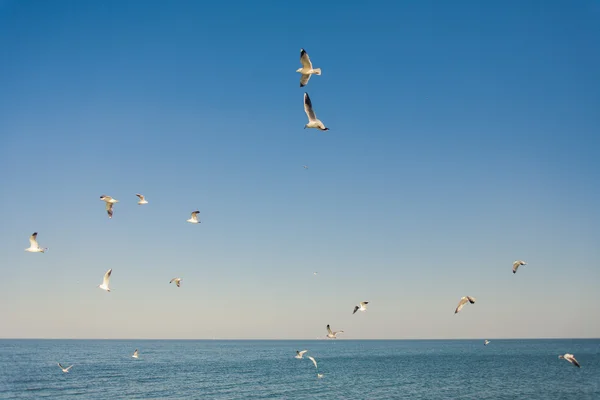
172, 369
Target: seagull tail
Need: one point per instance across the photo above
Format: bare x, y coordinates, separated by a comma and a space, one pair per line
317, 71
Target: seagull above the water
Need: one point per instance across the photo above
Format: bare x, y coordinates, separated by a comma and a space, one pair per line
314, 361
313, 122
104, 285
194, 218
299, 354
362, 306
517, 264
464, 301
109, 204
65, 370
319, 375
486, 342
307, 69
142, 199
331, 334
177, 281
135, 354
570, 358
34, 247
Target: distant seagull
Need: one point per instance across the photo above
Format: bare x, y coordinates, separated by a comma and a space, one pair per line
65, 370
34, 247
331, 334
307, 69
570, 358
299, 354
109, 204
135, 354
314, 361
313, 122
464, 301
194, 218
486, 342
142, 199
315, 273
362, 306
517, 264
305, 166
177, 281
104, 285
319, 375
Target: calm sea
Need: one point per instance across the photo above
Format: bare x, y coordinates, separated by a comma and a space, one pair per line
212, 369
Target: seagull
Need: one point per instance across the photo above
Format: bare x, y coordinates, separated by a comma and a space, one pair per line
315, 273
299, 354
194, 218
65, 370
362, 306
142, 199
331, 334
464, 301
314, 361
307, 69
319, 375
570, 358
486, 342
34, 247
177, 281
109, 204
135, 354
313, 122
305, 166
104, 285
517, 264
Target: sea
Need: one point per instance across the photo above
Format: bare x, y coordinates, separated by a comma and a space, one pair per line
267, 369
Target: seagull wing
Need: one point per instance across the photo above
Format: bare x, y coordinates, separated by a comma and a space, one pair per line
305, 60
172, 280
313, 360
61, 367
355, 309
135, 353
300, 353
32, 240
304, 78
329, 330
308, 108
178, 282
69, 367
106, 277
141, 196
471, 299
516, 265
109, 209
572, 359
461, 304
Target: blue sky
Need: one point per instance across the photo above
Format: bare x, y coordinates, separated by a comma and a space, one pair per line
464, 135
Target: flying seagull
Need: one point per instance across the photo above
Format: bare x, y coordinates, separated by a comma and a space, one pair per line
315, 273
570, 358
135, 354
299, 354
464, 301
313, 122
517, 264
109, 204
194, 218
307, 69
486, 342
362, 306
319, 375
104, 285
331, 334
65, 370
34, 247
305, 166
177, 281
314, 361
142, 199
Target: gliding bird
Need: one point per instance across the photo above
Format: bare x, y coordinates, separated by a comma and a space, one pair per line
307, 69
34, 247
464, 301
313, 122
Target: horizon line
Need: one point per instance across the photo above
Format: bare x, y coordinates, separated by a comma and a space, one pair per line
296, 340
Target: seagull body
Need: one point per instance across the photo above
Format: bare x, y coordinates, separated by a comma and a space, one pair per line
314, 361
362, 306
313, 122
331, 334
34, 247
65, 370
177, 281
194, 218
104, 285
135, 354
307, 69
517, 264
299, 354
464, 300
142, 199
570, 358
109, 204
486, 342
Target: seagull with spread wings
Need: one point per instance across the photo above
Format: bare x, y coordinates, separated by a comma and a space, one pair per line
34, 247
104, 285
307, 69
313, 122
109, 204
194, 218
362, 306
331, 334
464, 300
142, 199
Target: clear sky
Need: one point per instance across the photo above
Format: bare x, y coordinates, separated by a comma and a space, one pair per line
464, 135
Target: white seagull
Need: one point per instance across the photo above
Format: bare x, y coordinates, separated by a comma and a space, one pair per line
307, 69
331, 334
313, 122
517, 264
314, 361
464, 301
142, 199
34, 247
194, 218
109, 204
65, 370
135, 354
299, 354
305, 166
319, 375
104, 285
362, 306
570, 358
177, 281
486, 342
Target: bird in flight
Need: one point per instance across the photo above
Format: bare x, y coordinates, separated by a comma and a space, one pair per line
177, 281
313, 122
109, 204
34, 247
104, 285
517, 264
486, 342
194, 218
135, 354
362, 306
464, 300
331, 334
307, 69
570, 358
142, 199
299, 354
65, 370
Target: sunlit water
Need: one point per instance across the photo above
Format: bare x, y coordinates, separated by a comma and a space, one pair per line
460, 369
